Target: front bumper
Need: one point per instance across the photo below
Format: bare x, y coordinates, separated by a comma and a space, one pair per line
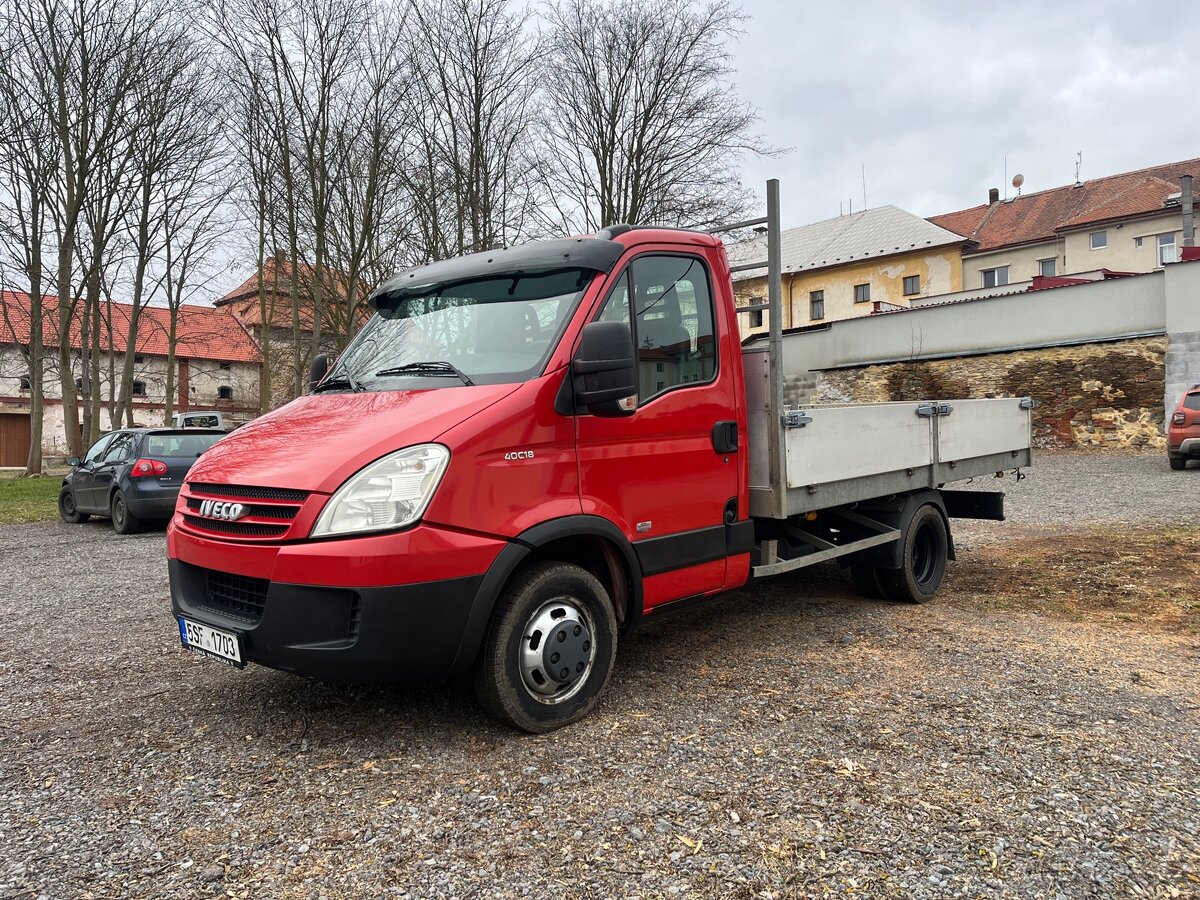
376, 608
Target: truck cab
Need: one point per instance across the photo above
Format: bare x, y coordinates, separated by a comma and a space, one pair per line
521, 455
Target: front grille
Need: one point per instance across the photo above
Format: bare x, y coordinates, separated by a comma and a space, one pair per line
252, 493
236, 596
261, 510
246, 529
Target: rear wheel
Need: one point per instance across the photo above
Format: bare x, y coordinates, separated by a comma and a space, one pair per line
549, 649
926, 544
67, 510
1177, 462
123, 521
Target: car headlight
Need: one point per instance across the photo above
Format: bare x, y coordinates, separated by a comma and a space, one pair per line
389, 493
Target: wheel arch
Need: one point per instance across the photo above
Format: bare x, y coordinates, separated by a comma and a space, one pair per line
591, 542
898, 512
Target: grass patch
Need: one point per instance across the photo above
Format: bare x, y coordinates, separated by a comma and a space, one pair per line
28, 499
1119, 575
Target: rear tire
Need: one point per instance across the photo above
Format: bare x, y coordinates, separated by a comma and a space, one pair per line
67, 510
513, 676
926, 545
866, 580
1178, 463
123, 521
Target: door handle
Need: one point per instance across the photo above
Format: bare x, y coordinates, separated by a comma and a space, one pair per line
725, 437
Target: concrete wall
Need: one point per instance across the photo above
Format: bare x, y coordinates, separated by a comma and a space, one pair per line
940, 272
1182, 362
1102, 310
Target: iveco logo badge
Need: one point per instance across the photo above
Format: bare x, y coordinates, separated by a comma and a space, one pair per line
217, 509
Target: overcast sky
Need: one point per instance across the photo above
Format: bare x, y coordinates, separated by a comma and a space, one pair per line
931, 96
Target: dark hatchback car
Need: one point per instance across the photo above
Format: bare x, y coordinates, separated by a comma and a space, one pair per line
132, 475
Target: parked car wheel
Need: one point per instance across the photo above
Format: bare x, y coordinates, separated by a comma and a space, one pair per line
926, 545
1177, 462
66, 508
549, 649
123, 521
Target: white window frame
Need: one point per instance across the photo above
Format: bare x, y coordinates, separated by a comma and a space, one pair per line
994, 272
1053, 260
1159, 245
1103, 235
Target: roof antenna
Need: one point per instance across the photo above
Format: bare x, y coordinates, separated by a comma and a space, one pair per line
864, 176
1078, 163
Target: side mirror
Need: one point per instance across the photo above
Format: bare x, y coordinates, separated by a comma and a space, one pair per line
74, 462
605, 370
320, 367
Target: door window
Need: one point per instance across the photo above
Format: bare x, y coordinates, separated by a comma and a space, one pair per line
673, 324
120, 450
97, 449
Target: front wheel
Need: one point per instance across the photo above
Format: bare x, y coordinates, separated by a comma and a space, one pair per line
67, 511
123, 521
549, 649
926, 544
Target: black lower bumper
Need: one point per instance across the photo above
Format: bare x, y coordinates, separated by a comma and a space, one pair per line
362, 634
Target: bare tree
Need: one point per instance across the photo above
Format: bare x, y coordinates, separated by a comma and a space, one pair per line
472, 184
642, 122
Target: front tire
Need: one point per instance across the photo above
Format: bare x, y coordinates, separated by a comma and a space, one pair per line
926, 546
549, 649
67, 510
123, 521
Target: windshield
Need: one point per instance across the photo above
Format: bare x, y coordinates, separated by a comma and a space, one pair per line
493, 330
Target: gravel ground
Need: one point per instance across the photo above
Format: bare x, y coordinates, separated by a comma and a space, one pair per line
790, 740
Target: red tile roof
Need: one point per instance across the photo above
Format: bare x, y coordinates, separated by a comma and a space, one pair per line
1041, 216
201, 331
242, 301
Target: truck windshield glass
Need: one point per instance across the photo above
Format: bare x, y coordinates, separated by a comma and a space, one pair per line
493, 330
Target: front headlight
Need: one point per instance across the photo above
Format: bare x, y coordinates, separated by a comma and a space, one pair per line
389, 493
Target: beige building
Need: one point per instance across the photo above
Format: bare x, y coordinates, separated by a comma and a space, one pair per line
851, 266
1132, 222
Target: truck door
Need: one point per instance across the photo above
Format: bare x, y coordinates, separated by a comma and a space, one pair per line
658, 474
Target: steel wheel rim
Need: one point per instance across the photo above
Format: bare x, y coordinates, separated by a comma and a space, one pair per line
540, 640
67, 502
119, 510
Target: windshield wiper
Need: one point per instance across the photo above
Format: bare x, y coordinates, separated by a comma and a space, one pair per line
341, 382
436, 367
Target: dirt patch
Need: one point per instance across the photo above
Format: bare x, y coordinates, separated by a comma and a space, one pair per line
1106, 575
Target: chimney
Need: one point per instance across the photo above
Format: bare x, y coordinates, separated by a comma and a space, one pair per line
993, 195
1185, 186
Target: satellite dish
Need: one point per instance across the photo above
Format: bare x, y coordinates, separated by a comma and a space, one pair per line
1018, 180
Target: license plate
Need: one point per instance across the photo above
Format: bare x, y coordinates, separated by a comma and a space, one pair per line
224, 645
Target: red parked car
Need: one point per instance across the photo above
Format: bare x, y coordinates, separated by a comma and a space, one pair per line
1183, 431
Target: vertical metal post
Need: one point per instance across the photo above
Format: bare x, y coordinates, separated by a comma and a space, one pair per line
775, 441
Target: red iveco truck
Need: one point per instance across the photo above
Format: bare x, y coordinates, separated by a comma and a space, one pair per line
525, 452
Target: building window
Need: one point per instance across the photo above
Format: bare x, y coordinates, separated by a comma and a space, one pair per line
912, 285
756, 318
996, 277
816, 305
224, 392
1048, 268
79, 386
139, 359
1099, 240
862, 293
658, 367
1166, 249
139, 389
225, 367
24, 382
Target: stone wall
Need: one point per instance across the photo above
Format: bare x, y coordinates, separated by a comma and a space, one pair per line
1092, 395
